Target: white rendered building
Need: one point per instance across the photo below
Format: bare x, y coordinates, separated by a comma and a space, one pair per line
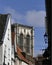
24, 38
5, 39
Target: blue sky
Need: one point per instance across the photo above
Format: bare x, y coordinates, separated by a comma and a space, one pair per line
29, 12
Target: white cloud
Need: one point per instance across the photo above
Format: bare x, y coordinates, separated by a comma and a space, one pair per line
16, 16
34, 18
37, 52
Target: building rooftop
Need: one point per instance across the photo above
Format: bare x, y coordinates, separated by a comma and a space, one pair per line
21, 57
22, 25
3, 21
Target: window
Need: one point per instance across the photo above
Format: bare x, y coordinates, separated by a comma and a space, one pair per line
21, 41
24, 30
31, 31
8, 63
18, 39
8, 34
28, 43
8, 52
5, 50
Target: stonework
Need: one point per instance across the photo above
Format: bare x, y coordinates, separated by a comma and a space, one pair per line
24, 37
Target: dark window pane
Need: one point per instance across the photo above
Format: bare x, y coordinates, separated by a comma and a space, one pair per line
21, 41
28, 44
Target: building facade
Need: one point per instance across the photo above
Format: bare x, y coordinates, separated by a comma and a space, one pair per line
5, 39
20, 57
24, 38
16, 42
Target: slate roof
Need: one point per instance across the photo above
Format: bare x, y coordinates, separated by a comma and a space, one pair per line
3, 20
21, 56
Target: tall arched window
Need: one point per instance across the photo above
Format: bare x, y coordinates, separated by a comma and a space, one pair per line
28, 43
21, 41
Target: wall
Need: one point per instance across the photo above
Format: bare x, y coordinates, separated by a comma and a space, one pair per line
23, 63
25, 30
12, 54
7, 44
17, 61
